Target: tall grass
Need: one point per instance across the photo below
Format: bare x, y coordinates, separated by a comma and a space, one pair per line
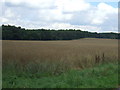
56, 57
101, 76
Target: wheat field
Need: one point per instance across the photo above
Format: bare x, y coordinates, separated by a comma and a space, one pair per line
65, 54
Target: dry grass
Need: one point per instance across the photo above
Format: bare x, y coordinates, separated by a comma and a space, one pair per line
74, 53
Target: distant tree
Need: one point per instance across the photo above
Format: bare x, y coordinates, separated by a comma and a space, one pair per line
17, 33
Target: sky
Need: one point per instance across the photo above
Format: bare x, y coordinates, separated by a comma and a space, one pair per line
87, 15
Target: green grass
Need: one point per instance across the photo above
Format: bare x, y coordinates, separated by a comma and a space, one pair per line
100, 76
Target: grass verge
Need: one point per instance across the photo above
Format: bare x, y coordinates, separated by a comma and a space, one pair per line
101, 76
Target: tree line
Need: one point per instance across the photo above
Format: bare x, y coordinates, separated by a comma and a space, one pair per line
17, 33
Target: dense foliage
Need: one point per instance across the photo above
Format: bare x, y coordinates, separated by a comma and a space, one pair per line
18, 33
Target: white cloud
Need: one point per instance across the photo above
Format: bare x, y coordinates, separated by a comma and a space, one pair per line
40, 3
58, 26
102, 1
9, 13
72, 5
58, 14
32, 3
54, 14
100, 15
66, 5
15, 2
4, 20
61, 26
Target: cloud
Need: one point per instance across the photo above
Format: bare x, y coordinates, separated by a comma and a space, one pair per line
4, 20
58, 26
100, 15
31, 3
72, 5
9, 13
56, 14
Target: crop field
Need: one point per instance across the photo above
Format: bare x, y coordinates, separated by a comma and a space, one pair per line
53, 58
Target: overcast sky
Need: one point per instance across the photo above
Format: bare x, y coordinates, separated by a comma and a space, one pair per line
61, 14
